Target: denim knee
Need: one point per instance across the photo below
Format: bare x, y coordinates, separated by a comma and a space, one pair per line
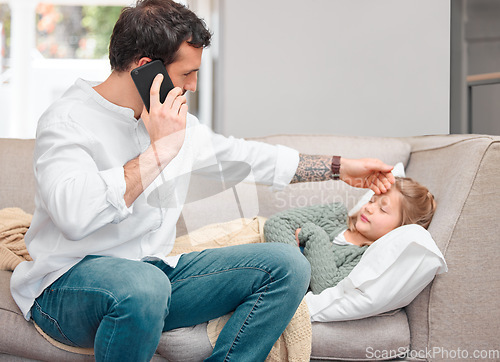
144, 297
293, 264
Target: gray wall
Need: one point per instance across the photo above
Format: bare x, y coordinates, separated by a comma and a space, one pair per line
354, 67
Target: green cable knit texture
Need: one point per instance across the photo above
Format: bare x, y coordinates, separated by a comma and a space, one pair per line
320, 224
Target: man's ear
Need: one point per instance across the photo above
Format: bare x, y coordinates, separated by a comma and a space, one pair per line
141, 62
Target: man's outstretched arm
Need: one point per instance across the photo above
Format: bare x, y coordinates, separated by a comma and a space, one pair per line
365, 172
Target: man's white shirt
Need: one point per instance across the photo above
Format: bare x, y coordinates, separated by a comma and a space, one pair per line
83, 142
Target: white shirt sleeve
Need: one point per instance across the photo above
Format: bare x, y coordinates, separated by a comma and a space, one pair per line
273, 165
79, 197
390, 274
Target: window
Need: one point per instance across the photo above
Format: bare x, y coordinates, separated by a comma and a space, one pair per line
76, 32
52, 45
4, 36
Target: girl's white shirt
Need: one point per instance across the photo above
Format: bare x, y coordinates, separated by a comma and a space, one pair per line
391, 273
340, 239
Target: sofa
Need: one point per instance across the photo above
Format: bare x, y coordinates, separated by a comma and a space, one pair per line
457, 316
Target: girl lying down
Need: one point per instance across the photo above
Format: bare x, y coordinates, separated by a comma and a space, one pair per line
334, 243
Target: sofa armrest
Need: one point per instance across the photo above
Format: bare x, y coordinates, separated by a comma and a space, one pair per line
456, 310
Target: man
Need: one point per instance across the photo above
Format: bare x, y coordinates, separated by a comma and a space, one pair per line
100, 277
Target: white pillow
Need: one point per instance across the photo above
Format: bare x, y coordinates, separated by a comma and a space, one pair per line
397, 171
390, 274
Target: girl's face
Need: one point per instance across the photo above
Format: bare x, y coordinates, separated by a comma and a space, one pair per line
380, 215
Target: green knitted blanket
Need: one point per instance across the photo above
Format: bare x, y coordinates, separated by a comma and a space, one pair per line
320, 224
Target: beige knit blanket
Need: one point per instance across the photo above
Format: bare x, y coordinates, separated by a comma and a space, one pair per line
293, 345
295, 342
14, 223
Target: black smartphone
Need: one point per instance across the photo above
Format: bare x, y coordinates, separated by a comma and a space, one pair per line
143, 77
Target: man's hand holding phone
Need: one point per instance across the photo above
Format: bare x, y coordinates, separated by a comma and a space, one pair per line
165, 109
166, 122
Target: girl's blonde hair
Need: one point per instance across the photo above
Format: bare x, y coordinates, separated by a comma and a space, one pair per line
417, 203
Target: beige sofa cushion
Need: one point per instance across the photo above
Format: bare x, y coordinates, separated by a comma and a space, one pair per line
387, 334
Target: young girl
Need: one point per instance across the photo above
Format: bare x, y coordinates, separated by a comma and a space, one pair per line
334, 243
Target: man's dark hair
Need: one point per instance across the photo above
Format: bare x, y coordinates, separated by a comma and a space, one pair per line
154, 29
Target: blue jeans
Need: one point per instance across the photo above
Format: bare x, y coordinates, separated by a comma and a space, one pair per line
121, 307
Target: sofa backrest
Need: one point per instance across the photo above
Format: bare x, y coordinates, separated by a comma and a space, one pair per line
248, 199
17, 184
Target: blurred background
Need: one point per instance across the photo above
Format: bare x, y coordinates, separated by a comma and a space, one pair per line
353, 67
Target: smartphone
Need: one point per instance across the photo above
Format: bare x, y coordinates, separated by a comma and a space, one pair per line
143, 77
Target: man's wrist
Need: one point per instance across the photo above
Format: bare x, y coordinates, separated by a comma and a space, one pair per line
163, 151
158, 163
335, 168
